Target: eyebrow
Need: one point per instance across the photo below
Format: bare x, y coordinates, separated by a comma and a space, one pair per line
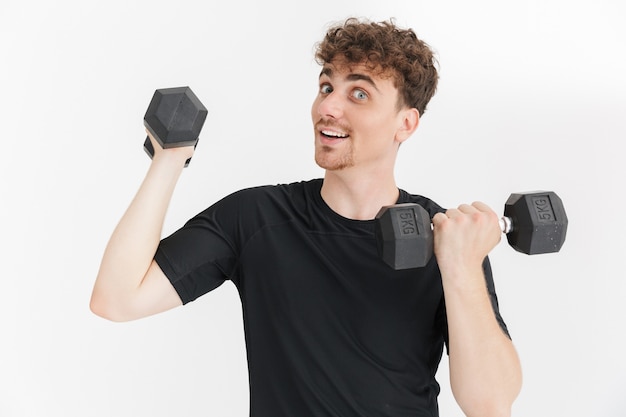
351, 77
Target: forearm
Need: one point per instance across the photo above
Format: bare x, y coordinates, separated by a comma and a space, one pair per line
134, 241
485, 372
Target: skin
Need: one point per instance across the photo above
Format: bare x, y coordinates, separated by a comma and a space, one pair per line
130, 285
358, 129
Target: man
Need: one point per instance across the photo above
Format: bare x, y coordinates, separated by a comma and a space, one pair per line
331, 330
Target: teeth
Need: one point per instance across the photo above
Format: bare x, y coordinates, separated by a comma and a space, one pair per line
334, 134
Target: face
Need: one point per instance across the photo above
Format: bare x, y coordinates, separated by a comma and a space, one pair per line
356, 118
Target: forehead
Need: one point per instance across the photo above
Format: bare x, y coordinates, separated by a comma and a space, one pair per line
342, 68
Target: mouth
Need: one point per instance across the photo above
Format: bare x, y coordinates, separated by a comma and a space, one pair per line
333, 134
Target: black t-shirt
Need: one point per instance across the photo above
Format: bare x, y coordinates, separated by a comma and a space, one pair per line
331, 330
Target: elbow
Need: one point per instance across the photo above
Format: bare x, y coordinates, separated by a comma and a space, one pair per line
490, 410
490, 405
106, 308
491, 402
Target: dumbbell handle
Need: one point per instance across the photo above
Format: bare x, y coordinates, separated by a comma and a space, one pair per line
506, 224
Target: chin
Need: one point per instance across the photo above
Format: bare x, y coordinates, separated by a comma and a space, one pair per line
334, 164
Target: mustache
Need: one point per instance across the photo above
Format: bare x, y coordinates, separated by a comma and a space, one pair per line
332, 123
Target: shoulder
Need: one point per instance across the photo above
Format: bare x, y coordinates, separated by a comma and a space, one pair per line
276, 193
431, 207
270, 202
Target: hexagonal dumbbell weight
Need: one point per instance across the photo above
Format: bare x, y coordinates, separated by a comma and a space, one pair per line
534, 222
404, 235
175, 118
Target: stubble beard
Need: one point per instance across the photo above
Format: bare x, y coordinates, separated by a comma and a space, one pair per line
334, 160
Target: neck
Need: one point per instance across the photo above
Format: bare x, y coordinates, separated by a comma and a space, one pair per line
358, 196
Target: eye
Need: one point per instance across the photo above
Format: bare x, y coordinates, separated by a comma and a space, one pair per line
359, 94
326, 89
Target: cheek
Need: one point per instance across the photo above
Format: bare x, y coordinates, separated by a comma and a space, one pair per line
371, 125
314, 109
377, 132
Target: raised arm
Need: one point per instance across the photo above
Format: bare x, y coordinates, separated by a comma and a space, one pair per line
485, 372
130, 285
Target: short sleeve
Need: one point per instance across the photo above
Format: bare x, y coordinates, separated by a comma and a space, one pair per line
201, 255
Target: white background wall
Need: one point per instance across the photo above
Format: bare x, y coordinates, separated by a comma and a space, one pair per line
532, 96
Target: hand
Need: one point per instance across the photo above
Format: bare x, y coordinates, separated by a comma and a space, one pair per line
177, 153
464, 236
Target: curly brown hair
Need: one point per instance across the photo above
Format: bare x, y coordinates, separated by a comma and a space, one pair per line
386, 49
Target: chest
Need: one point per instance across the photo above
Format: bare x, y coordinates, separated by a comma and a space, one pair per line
330, 285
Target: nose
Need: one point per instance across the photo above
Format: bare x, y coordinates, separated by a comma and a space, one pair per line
329, 105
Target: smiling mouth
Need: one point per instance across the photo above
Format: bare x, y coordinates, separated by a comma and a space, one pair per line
331, 134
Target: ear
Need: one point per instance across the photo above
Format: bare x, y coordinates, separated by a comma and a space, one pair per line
409, 122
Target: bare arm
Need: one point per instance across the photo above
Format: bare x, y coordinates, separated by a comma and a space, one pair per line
485, 371
130, 285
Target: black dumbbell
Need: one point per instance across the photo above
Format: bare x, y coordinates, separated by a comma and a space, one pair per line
534, 223
175, 118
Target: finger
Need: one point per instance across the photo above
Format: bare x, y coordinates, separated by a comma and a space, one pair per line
439, 218
453, 212
467, 209
480, 206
